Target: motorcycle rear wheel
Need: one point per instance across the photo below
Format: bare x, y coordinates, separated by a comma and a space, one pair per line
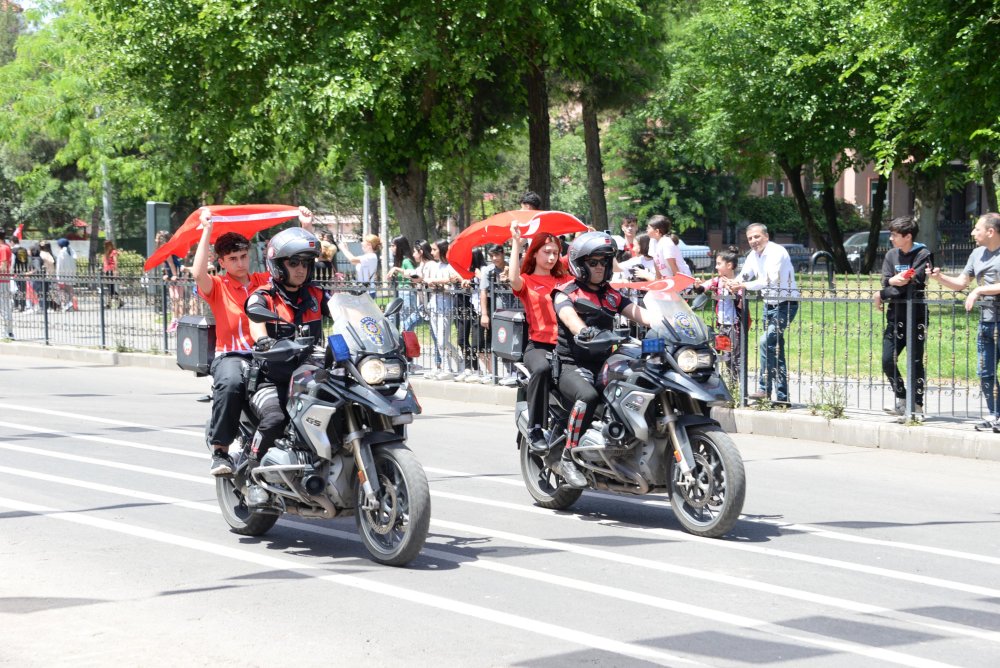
236, 513
395, 533
544, 485
713, 504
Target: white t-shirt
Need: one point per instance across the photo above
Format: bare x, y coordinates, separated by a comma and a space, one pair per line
664, 250
772, 273
367, 268
65, 264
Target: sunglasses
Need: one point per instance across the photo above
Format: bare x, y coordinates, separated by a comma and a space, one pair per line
593, 264
295, 263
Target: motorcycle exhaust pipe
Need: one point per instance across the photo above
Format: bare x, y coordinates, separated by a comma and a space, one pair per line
314, 484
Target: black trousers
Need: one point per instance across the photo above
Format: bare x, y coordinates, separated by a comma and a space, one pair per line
894, 340
576, 383
540, 383
228, 391
268, 404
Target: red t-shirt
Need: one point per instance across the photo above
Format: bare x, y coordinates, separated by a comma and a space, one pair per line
6, 257
232, 327
536, 295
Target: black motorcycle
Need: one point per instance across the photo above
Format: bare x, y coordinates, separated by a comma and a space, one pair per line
652, 432
344, 449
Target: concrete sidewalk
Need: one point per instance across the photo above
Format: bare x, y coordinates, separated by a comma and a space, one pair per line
857, 429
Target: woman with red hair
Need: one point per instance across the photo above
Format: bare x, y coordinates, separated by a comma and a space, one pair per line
533, 284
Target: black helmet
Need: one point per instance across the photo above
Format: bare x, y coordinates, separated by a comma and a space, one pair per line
591, 245
293, 242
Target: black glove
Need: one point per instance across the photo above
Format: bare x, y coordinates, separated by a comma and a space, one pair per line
587, 334
264, 344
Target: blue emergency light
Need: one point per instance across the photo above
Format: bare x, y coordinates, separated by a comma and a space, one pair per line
652, 346
338, 346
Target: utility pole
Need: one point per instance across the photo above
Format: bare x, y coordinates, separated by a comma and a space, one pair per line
383, 219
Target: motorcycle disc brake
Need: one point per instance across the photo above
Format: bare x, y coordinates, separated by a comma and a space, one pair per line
389, 502
700, 490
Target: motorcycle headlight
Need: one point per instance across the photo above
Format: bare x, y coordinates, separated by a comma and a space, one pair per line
373, 370
687, 360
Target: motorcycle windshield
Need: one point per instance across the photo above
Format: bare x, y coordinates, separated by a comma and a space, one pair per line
672, 319
360, 321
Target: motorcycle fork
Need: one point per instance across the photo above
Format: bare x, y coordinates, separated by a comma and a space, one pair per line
363, 460
678, 439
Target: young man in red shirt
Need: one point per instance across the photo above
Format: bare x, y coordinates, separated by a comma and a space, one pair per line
226, 294
6, 271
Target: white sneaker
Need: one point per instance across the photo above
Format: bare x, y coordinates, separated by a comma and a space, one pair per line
445, 375
473, 378
460, 378
486, 380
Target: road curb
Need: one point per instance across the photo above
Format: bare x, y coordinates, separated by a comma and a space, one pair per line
924, 438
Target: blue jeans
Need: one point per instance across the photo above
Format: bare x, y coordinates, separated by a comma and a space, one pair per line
988, 346
773, 370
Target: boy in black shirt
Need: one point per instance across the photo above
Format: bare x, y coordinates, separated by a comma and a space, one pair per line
904, 276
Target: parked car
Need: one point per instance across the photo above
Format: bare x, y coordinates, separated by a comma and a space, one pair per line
800, 256
856, 244
699, 258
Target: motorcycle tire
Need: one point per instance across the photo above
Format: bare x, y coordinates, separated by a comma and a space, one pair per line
395, 533
236, 513
544, 486
713, 504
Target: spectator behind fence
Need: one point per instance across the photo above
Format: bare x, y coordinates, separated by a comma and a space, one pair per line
729, 305
6, 264
110, 270
443, 281
904, 276
630, 225
325, 266
366, 264
172, 272
36, 288
401, 273
468, 313
66, 275
425, 269
494, 295
984, 265
20, 267
768, 268
666, 255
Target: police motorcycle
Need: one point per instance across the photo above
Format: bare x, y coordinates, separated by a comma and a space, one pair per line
344, 449
652, 431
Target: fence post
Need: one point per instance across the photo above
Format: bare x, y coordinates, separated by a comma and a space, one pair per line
164, 302
45, 310
744, 362
909, 340
100, 309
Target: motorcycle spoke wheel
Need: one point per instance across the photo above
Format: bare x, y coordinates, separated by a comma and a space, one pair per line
395, 531
710, 503
545, 487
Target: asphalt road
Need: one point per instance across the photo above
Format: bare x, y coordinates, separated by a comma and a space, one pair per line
113, 552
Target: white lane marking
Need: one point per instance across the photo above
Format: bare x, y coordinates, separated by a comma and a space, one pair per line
816, 531
614, 524
430, 600
819, 532
103, 462
93, 418
699, 611
753, 585
767, 551
107, 441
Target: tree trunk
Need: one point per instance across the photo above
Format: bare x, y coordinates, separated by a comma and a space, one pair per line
408, 193
595, 167
539, 169
929, 195
878, 212
832, 220
794, 175
988, 163
95, 241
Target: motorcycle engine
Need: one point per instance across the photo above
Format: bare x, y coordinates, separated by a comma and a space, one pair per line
591, 445
281, 457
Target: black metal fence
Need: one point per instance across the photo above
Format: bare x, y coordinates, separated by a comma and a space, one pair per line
833, 346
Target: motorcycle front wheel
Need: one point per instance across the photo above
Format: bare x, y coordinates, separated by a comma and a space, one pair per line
236, 513
544, 486
394, 533
710, 505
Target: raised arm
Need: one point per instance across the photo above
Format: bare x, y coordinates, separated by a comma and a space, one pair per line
199, 269
514, 267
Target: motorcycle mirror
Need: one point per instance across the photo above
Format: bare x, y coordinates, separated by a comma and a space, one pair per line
258, 312
699, 301
394, 307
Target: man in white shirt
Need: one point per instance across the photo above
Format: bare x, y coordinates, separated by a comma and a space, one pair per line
768, 269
